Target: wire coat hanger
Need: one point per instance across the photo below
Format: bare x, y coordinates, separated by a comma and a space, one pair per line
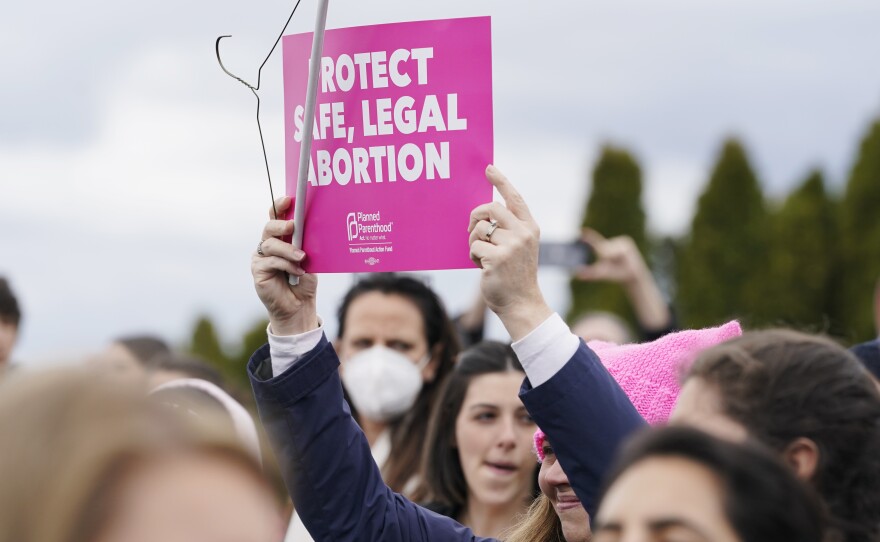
254, 89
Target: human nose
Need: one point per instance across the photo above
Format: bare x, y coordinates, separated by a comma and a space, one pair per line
507, 434
631, 534
554, 474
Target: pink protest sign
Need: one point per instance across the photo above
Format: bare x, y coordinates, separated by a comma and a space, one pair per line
402, 137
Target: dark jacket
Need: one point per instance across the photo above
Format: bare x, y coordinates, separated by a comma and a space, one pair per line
869, 354
338, 490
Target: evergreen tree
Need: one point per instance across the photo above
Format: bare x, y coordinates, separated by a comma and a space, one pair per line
860, 240
803, 257
253, 339
614, 208
722, 273
206, 345
205, 342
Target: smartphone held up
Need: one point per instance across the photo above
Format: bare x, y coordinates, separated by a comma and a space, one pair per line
571, 255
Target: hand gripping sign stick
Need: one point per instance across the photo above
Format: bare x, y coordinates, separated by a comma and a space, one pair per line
299, 211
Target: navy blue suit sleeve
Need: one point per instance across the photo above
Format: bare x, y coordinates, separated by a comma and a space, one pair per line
326, 461
586, 416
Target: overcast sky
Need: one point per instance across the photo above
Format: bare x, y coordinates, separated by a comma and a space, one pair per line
132, 188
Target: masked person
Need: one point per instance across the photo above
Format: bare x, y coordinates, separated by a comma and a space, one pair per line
397, 345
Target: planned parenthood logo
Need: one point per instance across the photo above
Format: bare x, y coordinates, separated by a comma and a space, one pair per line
351, 225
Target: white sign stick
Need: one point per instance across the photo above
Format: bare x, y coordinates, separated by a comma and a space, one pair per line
302, 180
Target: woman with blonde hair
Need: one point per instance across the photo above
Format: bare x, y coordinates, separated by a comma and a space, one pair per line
88, 458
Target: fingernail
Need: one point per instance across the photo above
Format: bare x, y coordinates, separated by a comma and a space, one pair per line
298, 254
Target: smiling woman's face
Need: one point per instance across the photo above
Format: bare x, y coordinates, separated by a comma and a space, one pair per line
554, 485
664, 499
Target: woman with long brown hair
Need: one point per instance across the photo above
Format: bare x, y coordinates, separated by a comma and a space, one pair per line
478, 467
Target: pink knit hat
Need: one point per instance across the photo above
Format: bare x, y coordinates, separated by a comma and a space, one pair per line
649, 372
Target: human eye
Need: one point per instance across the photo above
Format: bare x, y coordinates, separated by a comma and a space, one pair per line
678, 534
362, 343
400, 346
485, 416
547, 450
525, 419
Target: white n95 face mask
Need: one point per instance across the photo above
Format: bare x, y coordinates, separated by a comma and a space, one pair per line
382, 383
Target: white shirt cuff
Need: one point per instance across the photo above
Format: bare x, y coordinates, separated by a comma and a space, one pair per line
285, 350
545, 350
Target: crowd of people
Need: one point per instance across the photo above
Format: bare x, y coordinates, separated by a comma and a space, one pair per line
409, 426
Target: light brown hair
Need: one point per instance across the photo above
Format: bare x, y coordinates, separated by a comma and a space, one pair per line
68, 438
540, 524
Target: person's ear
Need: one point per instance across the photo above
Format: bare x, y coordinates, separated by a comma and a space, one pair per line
429, 371
802, 455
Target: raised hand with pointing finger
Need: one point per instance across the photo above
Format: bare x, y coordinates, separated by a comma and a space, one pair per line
504, 243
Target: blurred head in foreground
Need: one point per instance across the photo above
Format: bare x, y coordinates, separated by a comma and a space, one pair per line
602, 326
87, 458
149, 357
131, 355
10, 317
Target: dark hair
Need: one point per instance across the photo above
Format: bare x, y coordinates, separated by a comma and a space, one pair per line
10, 313
408, 433
191, 366
144, 347
443, 482
762, 499
782, 385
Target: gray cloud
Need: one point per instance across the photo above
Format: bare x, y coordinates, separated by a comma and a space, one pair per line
132, 182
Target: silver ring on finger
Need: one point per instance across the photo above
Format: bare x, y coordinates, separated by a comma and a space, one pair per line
493, 225
260, 248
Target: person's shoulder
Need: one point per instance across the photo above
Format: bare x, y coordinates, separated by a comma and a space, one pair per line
869, 354
442, 509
